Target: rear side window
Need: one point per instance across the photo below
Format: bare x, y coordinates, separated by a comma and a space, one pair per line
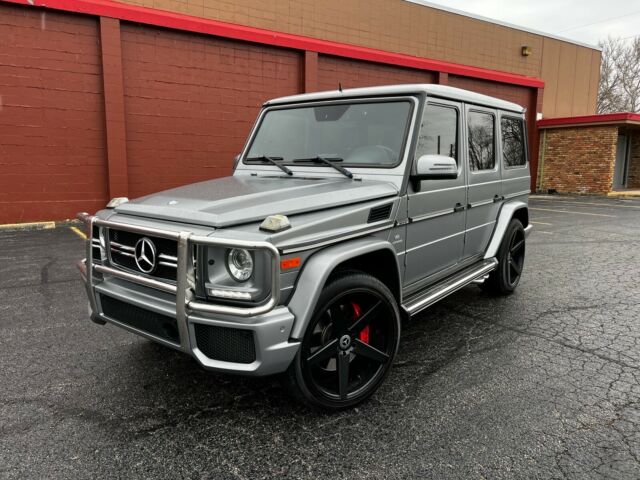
512, 142
439, 132
481, 141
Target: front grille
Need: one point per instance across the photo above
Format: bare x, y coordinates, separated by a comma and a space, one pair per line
122, 245
145, 320
95, 245
225, 344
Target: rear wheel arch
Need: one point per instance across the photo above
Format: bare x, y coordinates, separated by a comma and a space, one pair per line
522, 214
509, 211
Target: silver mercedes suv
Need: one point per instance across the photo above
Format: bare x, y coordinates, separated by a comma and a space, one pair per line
347, 211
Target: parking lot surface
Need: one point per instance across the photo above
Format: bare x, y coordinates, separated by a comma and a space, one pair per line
545, 383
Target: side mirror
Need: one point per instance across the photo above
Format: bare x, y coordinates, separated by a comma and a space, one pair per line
236, 160
436, 167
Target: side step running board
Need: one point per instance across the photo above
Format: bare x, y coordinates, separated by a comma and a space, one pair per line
425, 298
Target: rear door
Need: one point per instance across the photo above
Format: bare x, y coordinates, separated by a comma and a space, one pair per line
513, 151
484, 195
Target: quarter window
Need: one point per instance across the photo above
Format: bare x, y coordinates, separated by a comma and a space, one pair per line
512, 142
481, 141
439, 132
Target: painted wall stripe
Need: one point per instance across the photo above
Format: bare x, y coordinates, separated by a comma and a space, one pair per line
160, 18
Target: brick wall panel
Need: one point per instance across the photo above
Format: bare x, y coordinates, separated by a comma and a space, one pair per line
354, 73
579, 160
633, 178
191, 100
510, 93
52, 154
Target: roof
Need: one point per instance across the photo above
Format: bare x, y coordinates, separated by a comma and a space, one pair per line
620, 118
501, 23
441, 91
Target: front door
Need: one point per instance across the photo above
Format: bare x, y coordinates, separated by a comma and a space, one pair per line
435, 234
485, 189
620, 171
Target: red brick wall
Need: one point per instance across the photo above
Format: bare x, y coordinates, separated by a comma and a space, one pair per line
633, 179
512, 93
578, 160
179, 104
52, 143
190, 101
353, 74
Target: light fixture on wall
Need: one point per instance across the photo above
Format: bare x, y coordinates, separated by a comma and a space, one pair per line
526, 50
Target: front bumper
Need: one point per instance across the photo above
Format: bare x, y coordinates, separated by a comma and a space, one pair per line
267, 326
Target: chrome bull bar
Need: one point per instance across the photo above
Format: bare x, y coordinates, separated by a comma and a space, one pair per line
185, 285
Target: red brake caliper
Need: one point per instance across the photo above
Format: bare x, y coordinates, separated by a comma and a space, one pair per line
364, 333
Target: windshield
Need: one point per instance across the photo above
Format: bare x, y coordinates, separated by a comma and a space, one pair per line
358, 134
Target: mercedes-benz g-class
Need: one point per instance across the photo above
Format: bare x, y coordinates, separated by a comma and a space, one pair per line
346, 212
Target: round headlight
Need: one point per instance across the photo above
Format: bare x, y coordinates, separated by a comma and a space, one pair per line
240, 264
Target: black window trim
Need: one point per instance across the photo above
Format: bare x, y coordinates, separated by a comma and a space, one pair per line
524, 142
494, 115
456, 107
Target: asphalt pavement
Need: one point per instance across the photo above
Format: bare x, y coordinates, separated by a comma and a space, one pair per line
542, 384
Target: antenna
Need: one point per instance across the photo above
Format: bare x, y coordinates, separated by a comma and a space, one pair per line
340, 87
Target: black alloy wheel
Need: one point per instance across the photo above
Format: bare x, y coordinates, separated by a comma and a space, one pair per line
350, 343
505, 278
515, 257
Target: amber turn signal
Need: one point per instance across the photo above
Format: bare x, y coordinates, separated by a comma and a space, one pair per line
287, 263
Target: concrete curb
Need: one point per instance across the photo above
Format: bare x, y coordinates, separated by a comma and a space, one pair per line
31, 226
625, 194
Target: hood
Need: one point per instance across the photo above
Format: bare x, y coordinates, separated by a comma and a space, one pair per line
242, 199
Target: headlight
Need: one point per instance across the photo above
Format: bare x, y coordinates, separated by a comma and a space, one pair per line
240, 264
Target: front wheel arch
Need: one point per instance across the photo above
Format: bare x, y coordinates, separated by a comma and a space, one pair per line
322, 265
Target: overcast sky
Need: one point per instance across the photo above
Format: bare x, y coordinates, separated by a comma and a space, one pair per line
587, 21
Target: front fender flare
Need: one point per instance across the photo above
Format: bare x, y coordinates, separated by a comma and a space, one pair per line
504, 217
316, 272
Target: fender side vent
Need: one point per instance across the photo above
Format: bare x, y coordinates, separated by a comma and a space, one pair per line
379, 213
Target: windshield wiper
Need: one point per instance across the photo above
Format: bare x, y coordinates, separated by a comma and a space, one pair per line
327, 161
272, 160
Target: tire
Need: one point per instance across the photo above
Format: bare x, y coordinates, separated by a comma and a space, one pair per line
349, 345
505, 278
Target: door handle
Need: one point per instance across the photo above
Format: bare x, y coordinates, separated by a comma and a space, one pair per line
458, 208
498, 198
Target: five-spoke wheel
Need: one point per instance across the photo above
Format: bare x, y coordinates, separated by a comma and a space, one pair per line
349, 344
505, 278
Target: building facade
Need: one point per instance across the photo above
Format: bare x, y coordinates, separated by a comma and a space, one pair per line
101, 99
590, 154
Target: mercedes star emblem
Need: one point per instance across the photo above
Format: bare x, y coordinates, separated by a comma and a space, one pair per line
145, 255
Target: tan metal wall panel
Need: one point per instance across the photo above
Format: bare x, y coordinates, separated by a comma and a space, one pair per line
566, 81
581, 81
550, 71
594, 82
403, 27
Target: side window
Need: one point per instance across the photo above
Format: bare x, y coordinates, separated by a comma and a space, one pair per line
512, 131
439, 132
481, 141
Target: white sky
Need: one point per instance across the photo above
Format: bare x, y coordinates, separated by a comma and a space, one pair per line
587, 21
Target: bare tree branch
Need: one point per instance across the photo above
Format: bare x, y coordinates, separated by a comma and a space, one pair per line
619, 89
